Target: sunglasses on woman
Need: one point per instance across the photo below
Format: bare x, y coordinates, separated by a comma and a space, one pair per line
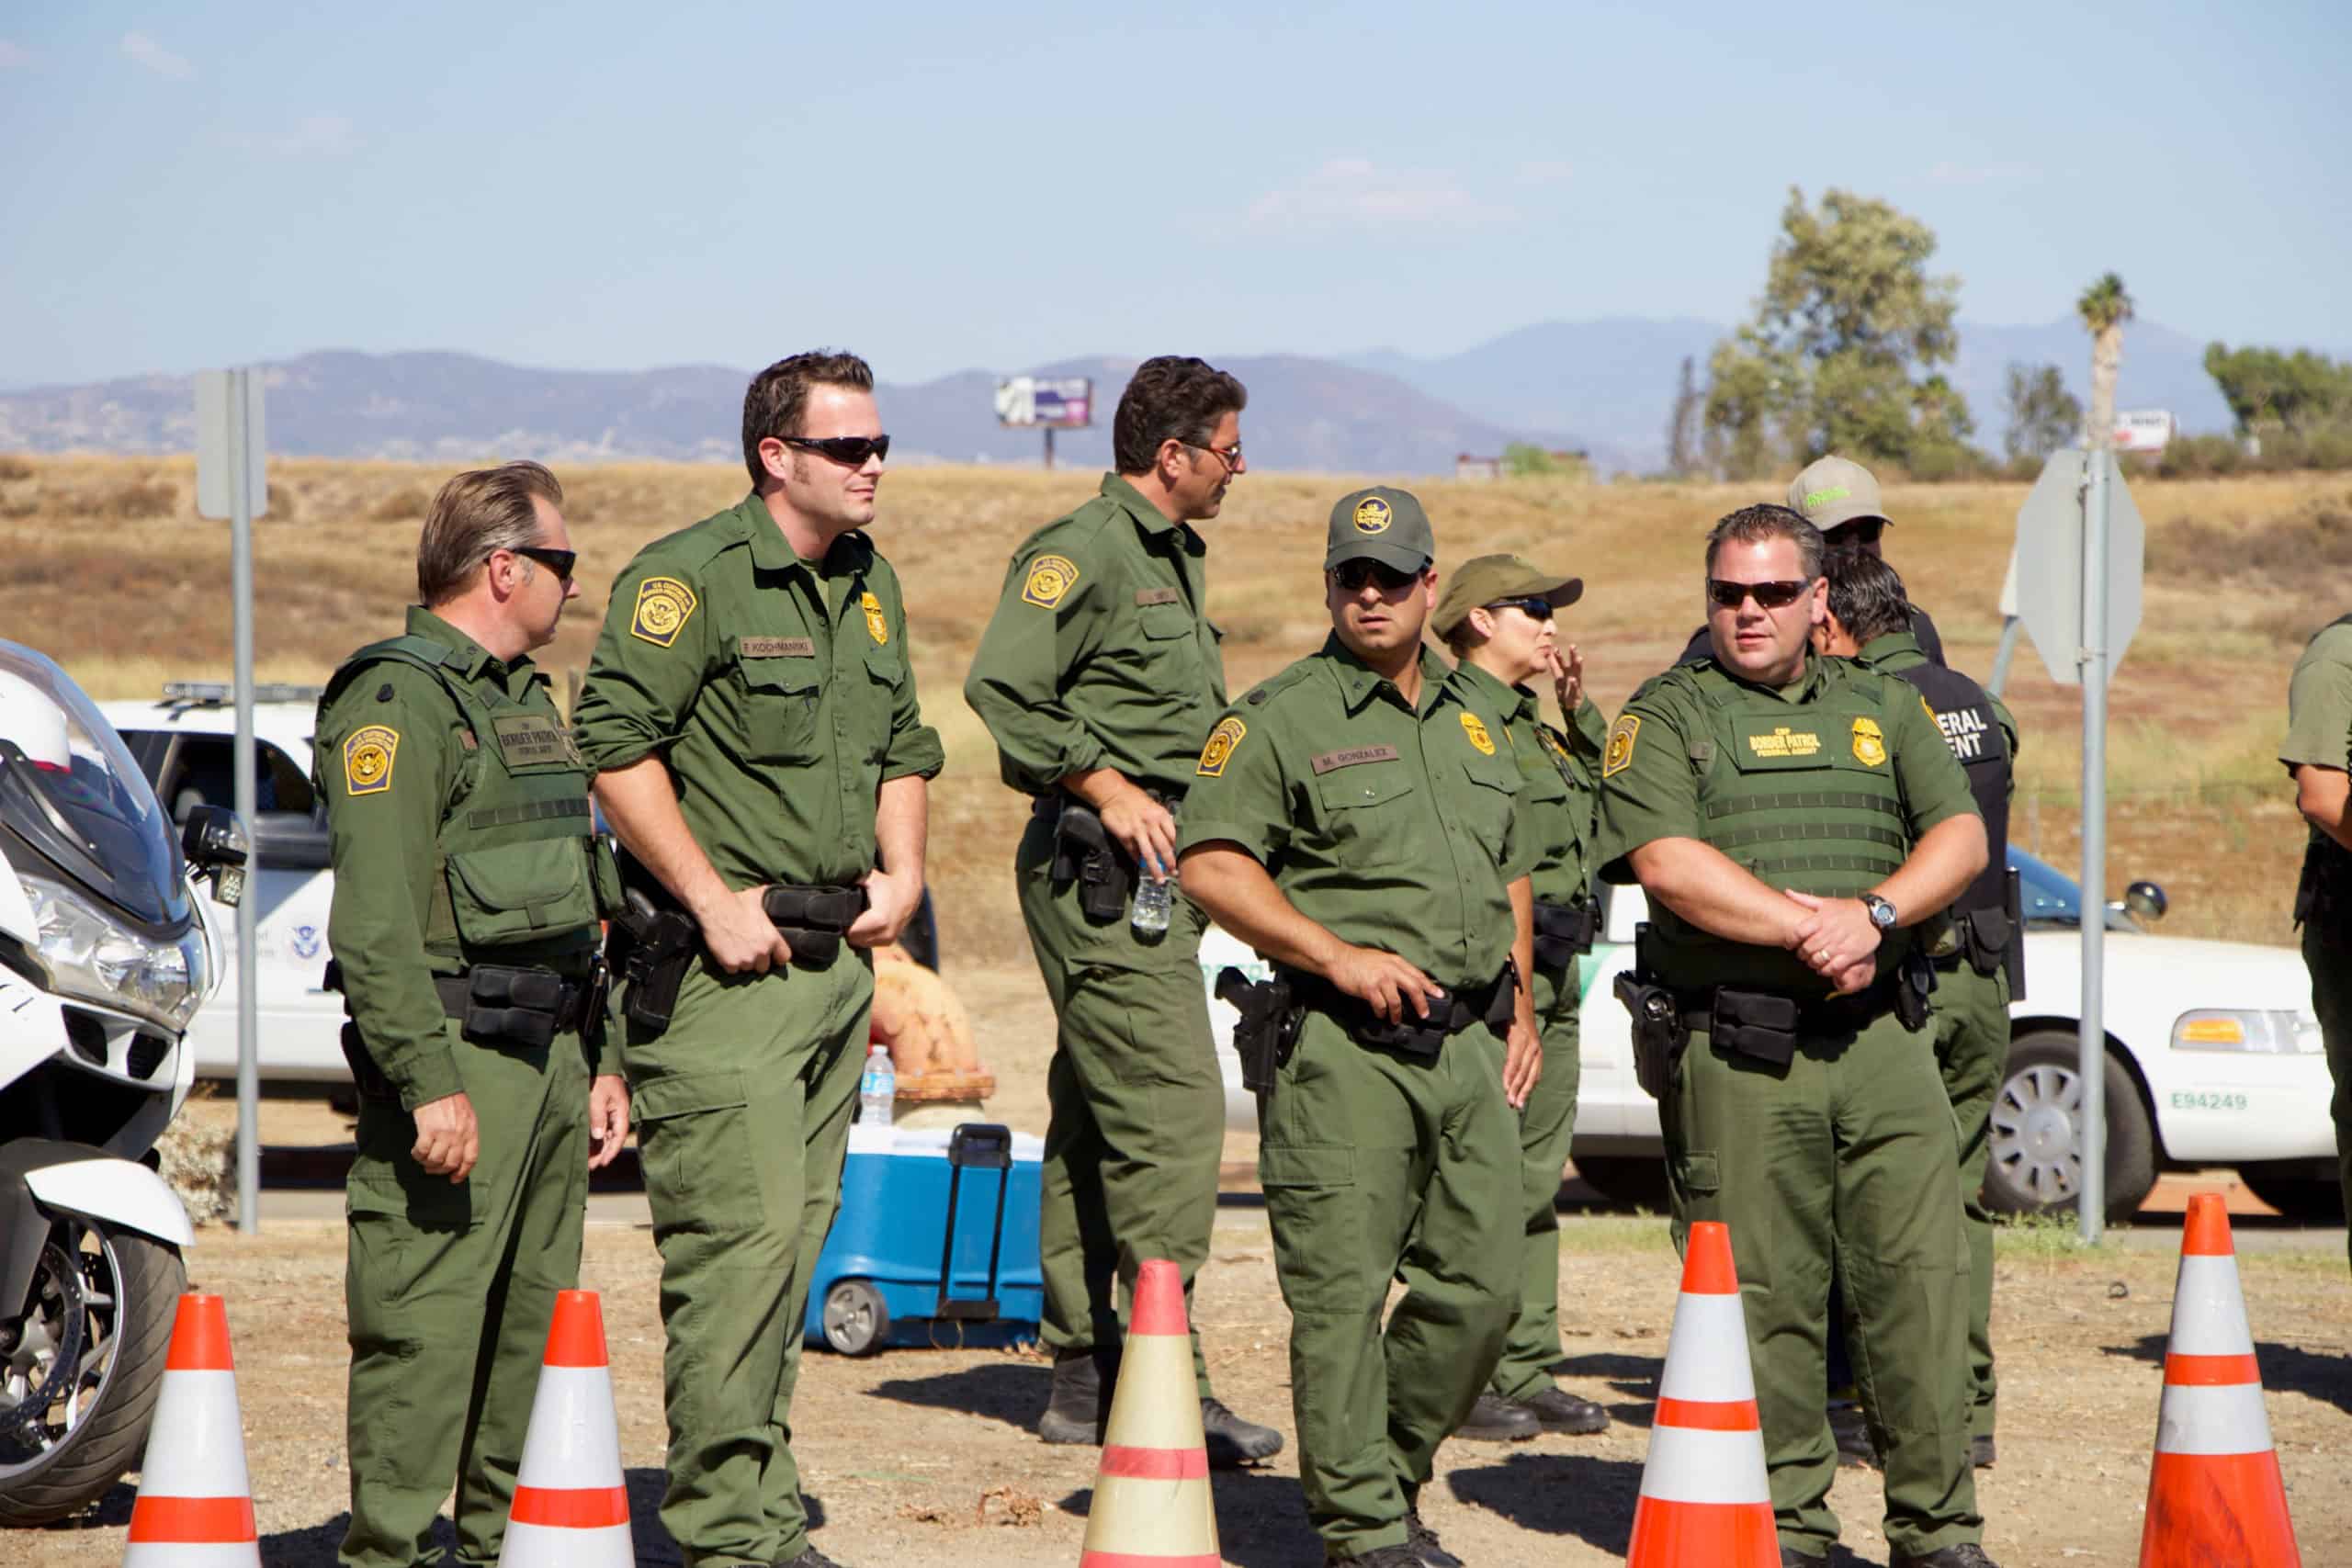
1540, 609
1770, 595
850, 451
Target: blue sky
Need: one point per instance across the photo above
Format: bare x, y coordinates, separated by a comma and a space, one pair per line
944, 186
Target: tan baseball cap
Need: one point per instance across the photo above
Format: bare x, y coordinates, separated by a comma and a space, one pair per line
1382, 523
1836, 490
1489, 579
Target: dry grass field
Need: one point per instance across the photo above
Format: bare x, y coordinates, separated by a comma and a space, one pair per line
104, 564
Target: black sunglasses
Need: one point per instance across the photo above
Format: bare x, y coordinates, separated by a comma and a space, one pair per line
559, 562
1352, 575
1540, 609
1770, 595
850, 451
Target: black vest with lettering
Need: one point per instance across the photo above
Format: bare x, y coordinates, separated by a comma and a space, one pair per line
1974, 732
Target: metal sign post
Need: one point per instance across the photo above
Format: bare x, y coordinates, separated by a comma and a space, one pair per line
2076, 575
231, 481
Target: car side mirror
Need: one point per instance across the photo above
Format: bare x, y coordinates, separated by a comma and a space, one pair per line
2146, 901
213, 843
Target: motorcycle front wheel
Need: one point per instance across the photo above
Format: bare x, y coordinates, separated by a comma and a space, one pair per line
79, 1379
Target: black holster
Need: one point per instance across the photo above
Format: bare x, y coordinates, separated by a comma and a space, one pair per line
1085, 852
649, 948
1492, 1004
1984, 941
1565, 933
2324, 893
1660, 1035
1266, 1031
812, 920
365, 1076
1914, 982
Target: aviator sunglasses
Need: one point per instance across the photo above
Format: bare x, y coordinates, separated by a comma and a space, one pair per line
1769, 595
850, 451
1354, 574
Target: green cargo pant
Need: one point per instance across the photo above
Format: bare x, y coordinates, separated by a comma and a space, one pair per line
1846, 1153
1971, 1025
1135, 1126
742, 1109
2330, 964
1375, 1167
449, 1288
1545, 1129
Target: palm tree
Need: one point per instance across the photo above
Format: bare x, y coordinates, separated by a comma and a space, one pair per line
2105, 307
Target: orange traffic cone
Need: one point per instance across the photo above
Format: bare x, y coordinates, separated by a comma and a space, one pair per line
1152, 1508
2214, 1494
571, 1507
1705, 1502
195, 1506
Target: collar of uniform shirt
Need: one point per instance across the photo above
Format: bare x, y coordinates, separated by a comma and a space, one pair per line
1817, 668
770, 552
1358, 683
1514, 701
423, 622
1894, 645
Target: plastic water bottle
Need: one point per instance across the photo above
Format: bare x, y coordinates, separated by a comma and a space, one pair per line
1153, 900
878, 1088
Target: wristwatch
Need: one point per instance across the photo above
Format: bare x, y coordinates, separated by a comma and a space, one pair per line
1882, 913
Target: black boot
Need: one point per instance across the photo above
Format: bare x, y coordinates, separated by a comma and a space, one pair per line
1379, 1557
1967, 1554
1495, 1419
1791, 1558
1231, 1440
1560, 1411
810, 1557
1982, 1453
1424, 1541
1080, 1402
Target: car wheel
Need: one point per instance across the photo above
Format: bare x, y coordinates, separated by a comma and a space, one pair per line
2035, 1163
1638, 1180
856, 1317
2290, 1190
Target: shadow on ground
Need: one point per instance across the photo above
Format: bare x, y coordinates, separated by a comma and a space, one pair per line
2286, 1369
1634, 1376
1261, 1519
1004, 1391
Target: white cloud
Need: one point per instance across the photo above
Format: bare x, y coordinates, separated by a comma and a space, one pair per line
314, 136
12, 55
1546, 172
156, 58
1356, 191
1949, 172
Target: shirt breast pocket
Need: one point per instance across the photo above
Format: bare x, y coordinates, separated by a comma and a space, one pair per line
1170, 638
1373, 814
1487, 805
779, 700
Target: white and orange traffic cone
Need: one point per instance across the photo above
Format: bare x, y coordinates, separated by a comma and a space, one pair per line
571, 1507
1152, 1508
1705, 1502
2214, 1493
196, 1505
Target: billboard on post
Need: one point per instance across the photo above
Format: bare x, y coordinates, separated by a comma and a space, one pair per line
1056, 403
2143, 430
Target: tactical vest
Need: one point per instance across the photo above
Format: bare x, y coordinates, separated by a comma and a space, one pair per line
1974, 732
1803, 796
520, 864
2323, 891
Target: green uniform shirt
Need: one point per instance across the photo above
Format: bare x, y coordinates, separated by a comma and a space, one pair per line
779, 719
1392, 828
388, 797
1666, 756
1559, 773
2319, 703
1101, 653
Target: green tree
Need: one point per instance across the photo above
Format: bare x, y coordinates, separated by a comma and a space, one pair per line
2300, 391
2104, 307
1850, 316
1682, 423
1523, 459
2043, 415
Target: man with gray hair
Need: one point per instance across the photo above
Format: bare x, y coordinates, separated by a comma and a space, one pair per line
469, 883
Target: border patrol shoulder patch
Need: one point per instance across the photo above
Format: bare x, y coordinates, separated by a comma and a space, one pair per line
664, 604
368, 756
1219, 749
1049, 581
1621, 736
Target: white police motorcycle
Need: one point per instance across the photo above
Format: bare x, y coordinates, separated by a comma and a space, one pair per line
105, 952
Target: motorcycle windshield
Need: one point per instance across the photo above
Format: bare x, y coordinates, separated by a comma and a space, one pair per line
71, 792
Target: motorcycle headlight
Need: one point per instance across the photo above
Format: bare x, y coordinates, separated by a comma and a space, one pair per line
95, 958
2274, 1032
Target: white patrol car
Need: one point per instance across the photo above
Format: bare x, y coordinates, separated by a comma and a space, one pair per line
2213, 1058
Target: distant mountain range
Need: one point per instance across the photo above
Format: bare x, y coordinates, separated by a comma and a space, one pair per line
1603, 386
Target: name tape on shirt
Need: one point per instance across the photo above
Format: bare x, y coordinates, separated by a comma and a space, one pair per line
1782, 741
1475, 729
1330, 760
1158, 596
875, 627
1049, 581
664, 604
1621, 736
1219, 749
529, 740
367, 759
775, 647
1870, 742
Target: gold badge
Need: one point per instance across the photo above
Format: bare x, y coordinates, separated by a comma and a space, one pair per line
1476, 730
1050, 578
1373, 516
1619, 755
367, 759
1870, 745
875, 627
663, 606
1222, 740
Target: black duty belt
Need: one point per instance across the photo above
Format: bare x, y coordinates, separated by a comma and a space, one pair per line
486, 997
1827, 1015
1564, 931
1490, 1003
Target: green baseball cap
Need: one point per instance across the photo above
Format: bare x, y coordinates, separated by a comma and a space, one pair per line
1489, 579
1835, 490
1385, 524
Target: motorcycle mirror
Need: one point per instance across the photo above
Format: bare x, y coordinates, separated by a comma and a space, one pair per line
2146, 900
213, 838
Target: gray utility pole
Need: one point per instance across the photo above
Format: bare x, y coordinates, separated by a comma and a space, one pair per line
231, 478
2091, 659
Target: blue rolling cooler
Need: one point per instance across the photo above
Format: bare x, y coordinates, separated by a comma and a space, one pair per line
936, 1241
